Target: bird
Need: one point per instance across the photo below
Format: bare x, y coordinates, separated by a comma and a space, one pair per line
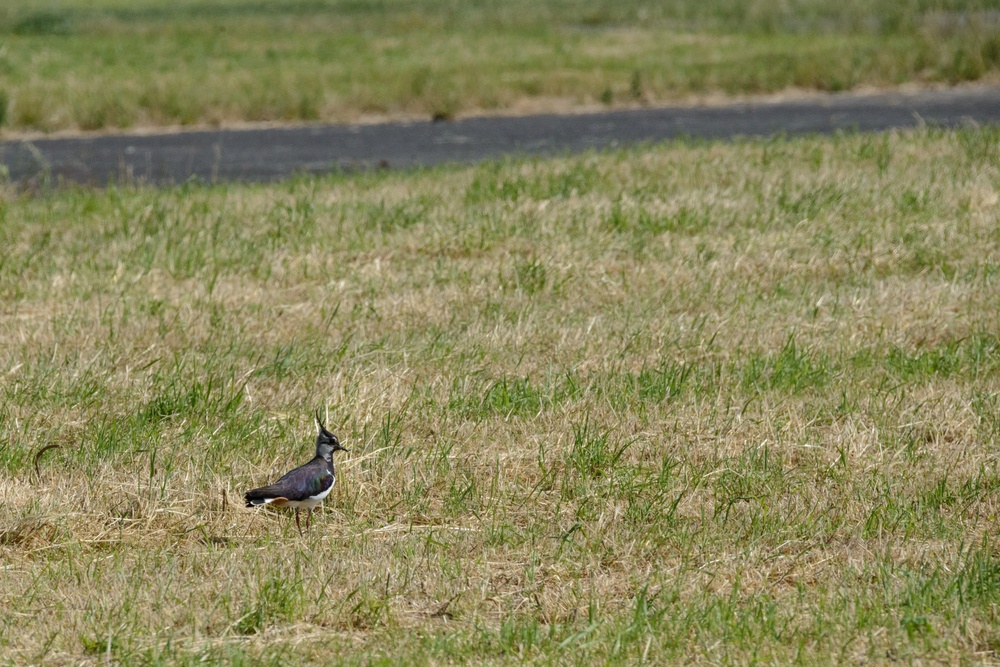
305, 486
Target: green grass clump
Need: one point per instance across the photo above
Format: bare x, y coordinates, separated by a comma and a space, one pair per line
710, 403
90, 65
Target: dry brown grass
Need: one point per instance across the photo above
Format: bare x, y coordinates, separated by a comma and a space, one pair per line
710, 403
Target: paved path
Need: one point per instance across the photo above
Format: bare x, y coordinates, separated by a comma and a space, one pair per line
268, 154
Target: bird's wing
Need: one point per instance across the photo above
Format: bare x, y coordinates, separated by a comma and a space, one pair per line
305, 481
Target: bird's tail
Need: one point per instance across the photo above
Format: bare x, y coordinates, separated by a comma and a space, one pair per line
257, 497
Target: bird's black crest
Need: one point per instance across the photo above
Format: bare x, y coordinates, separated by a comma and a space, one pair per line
322, 426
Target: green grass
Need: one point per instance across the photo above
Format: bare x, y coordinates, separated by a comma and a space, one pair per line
708, 403
109, 64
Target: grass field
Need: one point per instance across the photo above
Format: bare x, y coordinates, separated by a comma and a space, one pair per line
712, 403
111, 64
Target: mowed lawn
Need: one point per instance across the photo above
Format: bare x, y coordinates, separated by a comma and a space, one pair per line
701, 403
86, 65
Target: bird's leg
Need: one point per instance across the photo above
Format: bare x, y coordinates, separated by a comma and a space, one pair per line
309, 518
297, 524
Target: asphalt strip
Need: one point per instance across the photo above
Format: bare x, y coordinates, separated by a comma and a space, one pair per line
275, 153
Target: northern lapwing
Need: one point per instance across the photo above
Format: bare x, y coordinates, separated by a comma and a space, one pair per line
307, 485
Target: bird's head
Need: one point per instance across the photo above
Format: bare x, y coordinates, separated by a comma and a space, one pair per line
326, 442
